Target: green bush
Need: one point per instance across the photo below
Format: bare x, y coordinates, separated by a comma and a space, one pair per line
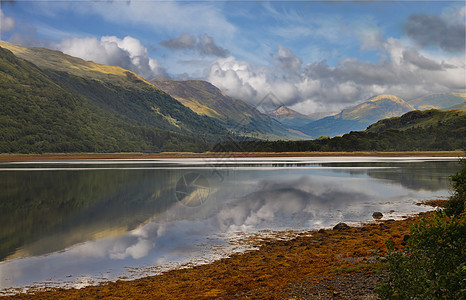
433, 265
456, 204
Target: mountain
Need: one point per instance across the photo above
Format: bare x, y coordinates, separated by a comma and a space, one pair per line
236, 115
443, 101
358, 117
52, 102
289, 117
416, 130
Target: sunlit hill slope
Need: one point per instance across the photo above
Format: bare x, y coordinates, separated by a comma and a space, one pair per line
52, 102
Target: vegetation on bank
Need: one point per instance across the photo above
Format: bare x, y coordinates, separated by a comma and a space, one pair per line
433, 264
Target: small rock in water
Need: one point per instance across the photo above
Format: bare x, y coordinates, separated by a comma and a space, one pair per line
341, 226
377, 215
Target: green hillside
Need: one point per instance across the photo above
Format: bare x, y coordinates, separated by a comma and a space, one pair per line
414, 131
421, 120
238, 116
65, 104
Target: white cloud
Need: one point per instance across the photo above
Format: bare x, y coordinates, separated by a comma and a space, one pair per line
287, 60
6, 23
127, 53
171, 16
429, 30
462, 13
403, 71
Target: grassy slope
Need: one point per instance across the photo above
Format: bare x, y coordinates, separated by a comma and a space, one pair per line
122, 111
420, 119
44, 115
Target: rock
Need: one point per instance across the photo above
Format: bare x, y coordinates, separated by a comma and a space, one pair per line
341, 226
377, 215
405, 239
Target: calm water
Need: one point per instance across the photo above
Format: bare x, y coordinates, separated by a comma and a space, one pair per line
78, 222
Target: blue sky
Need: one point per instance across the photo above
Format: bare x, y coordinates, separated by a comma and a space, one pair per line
313, 56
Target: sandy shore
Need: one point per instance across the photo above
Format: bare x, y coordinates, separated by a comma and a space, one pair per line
171, 155
316, 263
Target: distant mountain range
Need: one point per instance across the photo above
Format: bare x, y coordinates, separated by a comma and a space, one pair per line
359, 117
416, 130
444, 101
52, 102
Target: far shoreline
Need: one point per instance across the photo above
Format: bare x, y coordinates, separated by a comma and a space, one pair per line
187, 155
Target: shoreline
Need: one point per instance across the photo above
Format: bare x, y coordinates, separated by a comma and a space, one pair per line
278, 269
187, 155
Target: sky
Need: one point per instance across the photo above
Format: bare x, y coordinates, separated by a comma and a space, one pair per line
313, 56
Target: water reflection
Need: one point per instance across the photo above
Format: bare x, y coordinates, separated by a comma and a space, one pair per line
94, 223
70, 207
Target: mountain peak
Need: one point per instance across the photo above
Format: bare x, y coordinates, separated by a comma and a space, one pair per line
376, 108
283, 110
393, 98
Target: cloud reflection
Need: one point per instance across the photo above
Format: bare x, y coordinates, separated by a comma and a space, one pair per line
246, 201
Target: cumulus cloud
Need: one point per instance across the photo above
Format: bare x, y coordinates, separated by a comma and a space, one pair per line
205, 45
127, 53
6, 23
287, 60
402, 71
412, 56
429, 30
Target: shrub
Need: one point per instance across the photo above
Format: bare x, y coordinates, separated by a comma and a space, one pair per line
433, 265
456, 204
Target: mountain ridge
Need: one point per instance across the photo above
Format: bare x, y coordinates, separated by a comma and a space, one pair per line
358, 117
114, 112
238, 116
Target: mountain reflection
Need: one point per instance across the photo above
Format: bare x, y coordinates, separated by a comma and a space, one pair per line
93, 221
430, 176
51, 210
